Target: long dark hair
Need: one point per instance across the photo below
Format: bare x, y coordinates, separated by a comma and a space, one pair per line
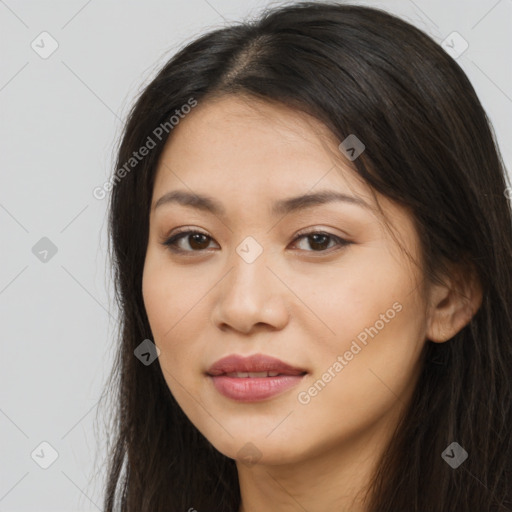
429, 147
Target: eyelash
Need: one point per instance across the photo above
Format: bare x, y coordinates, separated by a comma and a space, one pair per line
171, 242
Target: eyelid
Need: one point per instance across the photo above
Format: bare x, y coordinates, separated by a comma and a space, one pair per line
341, 241
317, 229
184, 229
305, 231
174, 234
169, 241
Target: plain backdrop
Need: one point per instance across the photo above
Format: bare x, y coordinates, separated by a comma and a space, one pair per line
60, 118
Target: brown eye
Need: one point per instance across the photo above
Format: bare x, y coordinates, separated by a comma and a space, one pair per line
195, 240
319, 241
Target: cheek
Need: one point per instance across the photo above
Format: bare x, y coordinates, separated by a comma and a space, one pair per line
379, 331
175, 310
339, 302
357, 385
168, 295
157, 300
372, 363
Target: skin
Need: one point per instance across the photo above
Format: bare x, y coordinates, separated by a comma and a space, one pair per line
300, 303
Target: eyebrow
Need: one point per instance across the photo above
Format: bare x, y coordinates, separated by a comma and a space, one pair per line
281, 207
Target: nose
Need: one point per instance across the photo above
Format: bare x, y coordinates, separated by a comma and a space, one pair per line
250, 298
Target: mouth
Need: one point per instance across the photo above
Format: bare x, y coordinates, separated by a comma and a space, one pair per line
254, 378
255, 375
255, 366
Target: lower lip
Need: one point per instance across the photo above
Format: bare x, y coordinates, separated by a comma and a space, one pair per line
254, 389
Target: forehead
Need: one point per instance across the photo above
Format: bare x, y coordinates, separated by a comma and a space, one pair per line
236, 143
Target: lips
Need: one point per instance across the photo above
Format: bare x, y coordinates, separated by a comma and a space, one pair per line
254, 378
246, 367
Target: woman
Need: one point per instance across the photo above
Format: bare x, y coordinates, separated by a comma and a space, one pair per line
312, 245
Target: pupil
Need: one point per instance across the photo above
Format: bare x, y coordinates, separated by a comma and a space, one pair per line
196, 238
315, 240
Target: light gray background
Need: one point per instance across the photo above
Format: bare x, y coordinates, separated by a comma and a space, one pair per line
60, 120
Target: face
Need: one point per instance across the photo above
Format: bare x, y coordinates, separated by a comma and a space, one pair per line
320, 285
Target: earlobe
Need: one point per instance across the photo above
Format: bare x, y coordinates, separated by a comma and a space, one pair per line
452, 307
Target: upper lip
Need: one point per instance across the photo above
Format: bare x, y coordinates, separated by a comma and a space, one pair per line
254, 363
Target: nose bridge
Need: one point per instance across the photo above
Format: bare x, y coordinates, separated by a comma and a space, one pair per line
249, 278
250, 294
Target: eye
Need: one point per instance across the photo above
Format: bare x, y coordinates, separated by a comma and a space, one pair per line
319, 240
198, 241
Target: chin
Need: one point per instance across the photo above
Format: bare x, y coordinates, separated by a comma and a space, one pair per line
257, 448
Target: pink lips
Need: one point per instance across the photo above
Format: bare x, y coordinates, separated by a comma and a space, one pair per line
253, 388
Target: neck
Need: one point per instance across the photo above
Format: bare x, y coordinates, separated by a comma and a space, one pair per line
336, 478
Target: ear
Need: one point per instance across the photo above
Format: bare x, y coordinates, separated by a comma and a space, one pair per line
451, 306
